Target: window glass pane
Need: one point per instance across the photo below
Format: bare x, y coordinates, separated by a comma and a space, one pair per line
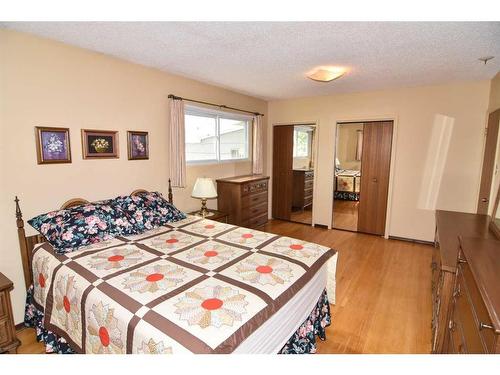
300, 143
201, 138
233, 136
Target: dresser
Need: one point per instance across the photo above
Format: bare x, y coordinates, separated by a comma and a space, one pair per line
8, 338
475, 318
244, 199
450, 227
303, 183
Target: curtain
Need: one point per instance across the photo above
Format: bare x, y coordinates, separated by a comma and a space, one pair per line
359, 145
258, 146
177, 152
313, 150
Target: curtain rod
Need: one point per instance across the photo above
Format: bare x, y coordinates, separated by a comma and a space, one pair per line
171, 96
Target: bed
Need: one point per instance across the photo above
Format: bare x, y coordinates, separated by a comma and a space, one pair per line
189, 286
347, 184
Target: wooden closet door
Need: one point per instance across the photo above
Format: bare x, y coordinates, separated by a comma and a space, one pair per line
375, 168
488, 163
282, 171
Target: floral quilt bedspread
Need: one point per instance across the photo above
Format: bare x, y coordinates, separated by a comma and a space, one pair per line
195, 286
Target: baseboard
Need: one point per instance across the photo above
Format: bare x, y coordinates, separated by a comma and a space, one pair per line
323, 226
411, 240
19, 326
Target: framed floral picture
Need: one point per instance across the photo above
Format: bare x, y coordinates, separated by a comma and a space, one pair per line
52, 145
138, 145
99, 144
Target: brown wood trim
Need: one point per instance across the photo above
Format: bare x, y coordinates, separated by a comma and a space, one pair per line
490, 146
411, 240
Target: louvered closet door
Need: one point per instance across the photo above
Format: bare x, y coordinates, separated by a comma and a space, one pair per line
282, 171
375, 168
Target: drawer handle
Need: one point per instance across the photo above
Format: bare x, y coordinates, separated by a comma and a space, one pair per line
485, 326
452, 325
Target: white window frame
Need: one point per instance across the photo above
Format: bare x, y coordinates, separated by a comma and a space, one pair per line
217, 114
309, 141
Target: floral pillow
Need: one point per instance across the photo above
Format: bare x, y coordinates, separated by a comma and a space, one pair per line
136, 210
163, 211
70, 229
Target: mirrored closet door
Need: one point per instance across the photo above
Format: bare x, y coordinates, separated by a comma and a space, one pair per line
293, 172
361, 176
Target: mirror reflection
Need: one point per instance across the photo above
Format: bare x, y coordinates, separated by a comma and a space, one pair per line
303, 173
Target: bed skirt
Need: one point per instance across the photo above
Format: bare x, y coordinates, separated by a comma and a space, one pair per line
303, 340
346, 195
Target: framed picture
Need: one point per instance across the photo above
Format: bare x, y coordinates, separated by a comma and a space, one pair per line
52, 145
99, 144
138, 145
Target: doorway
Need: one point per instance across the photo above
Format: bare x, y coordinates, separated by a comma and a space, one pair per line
361, 176
293, 172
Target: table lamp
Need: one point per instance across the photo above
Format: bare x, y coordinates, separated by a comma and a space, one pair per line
204, 189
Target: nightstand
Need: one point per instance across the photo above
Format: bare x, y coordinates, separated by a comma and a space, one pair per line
213, 215
8, 338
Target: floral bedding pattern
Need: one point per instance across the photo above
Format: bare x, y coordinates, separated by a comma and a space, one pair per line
70, 229
303, 341
161, 289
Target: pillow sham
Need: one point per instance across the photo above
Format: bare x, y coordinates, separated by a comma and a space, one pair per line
164, 212
69, 229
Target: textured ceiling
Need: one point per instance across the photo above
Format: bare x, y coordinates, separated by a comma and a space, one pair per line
269, 59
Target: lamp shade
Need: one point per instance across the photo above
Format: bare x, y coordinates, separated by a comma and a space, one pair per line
204, 188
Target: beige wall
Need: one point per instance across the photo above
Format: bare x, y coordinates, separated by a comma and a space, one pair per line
46, 83
424, 117
495, 93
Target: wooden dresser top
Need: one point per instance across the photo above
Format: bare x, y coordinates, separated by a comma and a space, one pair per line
483, 257
5, 283
243, 179
451, 225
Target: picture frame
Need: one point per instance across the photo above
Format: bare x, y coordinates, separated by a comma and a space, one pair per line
100, 144
52, 145
138, 145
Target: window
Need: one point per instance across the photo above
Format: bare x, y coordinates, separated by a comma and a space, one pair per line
213, 136
301, 143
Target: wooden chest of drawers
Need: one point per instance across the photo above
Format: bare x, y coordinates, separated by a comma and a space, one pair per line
303, 183
474, 324
245, 199
8, 339
449, 226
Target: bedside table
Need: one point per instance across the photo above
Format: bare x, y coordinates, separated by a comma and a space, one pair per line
8, 338
213, 215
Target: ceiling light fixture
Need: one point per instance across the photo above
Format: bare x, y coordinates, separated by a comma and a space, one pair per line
486, 59
326, 73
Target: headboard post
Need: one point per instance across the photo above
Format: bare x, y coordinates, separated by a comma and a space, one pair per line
25, 256
170, 196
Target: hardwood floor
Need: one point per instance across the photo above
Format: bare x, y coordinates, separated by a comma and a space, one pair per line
383, 293
302, 216
345, 214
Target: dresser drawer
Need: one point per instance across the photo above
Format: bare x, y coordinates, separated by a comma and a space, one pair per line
3, 305
479, 309
309, 175
308, 184
472, 337
258, 221
6, 334
254, 187
456, 339
253, 211
255, 199
308, 200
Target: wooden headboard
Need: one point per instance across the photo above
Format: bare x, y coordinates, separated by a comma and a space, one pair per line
27, 243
